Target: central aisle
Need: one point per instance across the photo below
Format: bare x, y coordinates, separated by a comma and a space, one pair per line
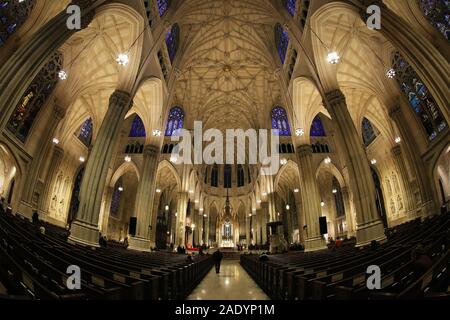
233, 283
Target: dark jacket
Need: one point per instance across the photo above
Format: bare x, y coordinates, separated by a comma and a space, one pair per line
217, 256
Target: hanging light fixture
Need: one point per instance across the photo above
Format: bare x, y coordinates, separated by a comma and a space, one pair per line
62, 75
296, 190
166, 207
123, 59
158, 190
120, 189
287, 207
391, 73
157, 133
283, 161
333, 57
82, 159
327, 160
398, 140
55, 141
334, 191
373, 161
322, 203
127, 158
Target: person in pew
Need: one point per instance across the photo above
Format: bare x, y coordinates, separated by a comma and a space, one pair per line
422, 262
217, 257
35, 217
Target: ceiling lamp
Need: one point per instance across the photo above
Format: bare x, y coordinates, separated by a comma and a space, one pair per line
123, 59
398, 140
120, 189
334, 191
283, 161
158, 190
373, 161
127, 158
205, 215
166, 207
299, 132
62, 75
333, 58
82, 159
391, 73
287, 207
296, 190
55, 141
327, 160
322, 204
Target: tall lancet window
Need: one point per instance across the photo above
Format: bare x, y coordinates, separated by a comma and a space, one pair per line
280, 121
115, 200
137, 128
317, 129
369, 132
227, 176
240, 176
85, 134
290, 6
13, 14
173, 41
282, 41
215, 176
438, 13
175, 121
163, 6
35, 98
420, 99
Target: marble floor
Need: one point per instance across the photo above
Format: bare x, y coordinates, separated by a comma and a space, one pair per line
233, 283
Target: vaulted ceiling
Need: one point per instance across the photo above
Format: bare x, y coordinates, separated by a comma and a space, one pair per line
228, 65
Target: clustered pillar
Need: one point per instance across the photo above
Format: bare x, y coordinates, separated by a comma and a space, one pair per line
145, 201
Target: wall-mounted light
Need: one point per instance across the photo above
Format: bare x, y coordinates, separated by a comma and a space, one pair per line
287, 207
296, 190
373, 161
299, 132
398, 140
120, 189
158, 190
327, 160
283, 161
334, 191
166, 207
322, 204
157, 133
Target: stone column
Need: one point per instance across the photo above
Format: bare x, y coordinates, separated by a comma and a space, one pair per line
257, 227
31, 188
20, 69
247, 231
301, 221
84, 228
409, 194
265, 216
207, 228
55, 162
348, 212
310, 199
369, 226
429, 63
144, 204
181, 218
415, 161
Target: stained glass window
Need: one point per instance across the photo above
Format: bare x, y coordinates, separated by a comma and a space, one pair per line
75, 201
35, 97
163, 6
282, 41
85, 134
215, 176
172, 41
438, 13
369, 132
137, 128
227, 176
12, 15
280, 121
290, 6
420, 99
175, 121
115, 200
317, 129
240, 176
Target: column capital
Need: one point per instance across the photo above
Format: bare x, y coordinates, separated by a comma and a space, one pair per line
304, 150
151, 150
335, 97
395, 111
397, 150
58, 112
120, 98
